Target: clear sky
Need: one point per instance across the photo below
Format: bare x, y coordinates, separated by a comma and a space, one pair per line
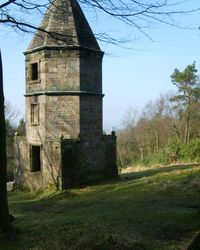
131, 77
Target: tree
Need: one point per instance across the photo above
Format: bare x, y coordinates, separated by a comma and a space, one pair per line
21, 129
145, 136
4, 213
187, 83
10, 118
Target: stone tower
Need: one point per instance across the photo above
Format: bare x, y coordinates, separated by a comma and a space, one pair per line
64, 143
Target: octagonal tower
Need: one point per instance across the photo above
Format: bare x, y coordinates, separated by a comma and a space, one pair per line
64, 143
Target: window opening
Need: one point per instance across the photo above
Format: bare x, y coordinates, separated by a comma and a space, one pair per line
35, 158
35, 117
34, 71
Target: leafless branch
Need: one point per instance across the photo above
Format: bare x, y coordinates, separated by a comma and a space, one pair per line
137, 14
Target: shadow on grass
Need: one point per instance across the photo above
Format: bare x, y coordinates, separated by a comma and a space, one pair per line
152, 172
107, 217
105, 186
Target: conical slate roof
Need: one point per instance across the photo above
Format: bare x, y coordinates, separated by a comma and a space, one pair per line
66, 26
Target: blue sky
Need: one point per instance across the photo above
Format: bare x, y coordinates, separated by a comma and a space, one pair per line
131, 77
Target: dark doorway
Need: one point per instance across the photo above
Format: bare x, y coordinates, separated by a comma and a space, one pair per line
35, 158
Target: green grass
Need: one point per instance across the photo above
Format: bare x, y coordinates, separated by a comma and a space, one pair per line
157, 208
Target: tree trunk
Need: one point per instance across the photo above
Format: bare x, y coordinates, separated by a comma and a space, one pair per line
157, 142
141, 153
177, 133
147, 142
4, 213
187, 124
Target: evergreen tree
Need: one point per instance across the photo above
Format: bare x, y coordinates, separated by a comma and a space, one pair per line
187, 83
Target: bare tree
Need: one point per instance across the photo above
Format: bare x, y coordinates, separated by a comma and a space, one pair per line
147, 136
136, 14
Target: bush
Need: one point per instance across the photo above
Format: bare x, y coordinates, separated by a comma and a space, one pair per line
191, 150
172, 152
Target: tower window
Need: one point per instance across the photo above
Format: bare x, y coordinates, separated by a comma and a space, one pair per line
34, 71
35, 116
35, 158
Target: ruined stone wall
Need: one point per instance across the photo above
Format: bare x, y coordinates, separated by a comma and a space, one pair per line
66, 163
110, 155
21, 159
86, 161
50, 165
23, 175
51, 161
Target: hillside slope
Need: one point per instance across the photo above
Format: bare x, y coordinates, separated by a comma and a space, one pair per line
157, 208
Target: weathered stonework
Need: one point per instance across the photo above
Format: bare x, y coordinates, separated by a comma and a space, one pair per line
64, 143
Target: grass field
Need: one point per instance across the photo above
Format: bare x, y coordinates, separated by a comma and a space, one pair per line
155, 208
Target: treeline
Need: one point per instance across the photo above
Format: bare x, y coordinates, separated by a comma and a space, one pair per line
168, 129
11, 127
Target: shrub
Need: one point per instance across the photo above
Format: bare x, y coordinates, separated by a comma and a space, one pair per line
191, 150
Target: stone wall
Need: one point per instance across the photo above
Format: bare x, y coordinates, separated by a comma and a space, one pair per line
21, 160
68, 92
90, 116
36, 132
66, 163
23, 175
87, 161
50, 165
62, 115
91, 71
59, 70
65, 70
